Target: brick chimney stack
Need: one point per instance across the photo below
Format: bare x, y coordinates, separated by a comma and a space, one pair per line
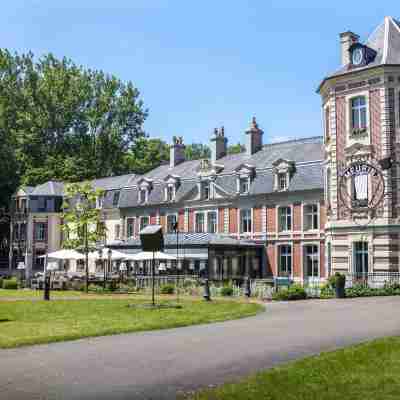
346, 40
254, 140
176, 152
218, 145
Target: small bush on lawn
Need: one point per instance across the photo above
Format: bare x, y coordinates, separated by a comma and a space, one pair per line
227, 291
294, 292
111, 285
167, 289
326, 292
10, 284
95, 288
1, 282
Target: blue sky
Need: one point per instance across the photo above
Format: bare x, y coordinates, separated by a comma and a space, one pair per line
202, 64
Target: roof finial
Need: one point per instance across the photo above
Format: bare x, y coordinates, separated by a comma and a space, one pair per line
254, 123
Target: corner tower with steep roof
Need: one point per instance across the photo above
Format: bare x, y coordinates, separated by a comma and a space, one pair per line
361, 113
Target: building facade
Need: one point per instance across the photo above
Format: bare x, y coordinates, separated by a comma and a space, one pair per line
273, 210
361, 111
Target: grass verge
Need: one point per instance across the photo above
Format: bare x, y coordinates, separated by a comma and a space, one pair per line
38, 294
368, 371
27, 322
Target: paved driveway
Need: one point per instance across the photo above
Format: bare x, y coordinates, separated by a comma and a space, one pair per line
155, 365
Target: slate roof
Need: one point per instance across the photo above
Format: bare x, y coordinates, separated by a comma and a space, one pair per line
385, 40
307, 155
50, 188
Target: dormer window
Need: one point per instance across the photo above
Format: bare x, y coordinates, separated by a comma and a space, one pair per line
206, 190
245, 174
282, 181
283, 172
170, 193
115, 201
244, 185
142, 196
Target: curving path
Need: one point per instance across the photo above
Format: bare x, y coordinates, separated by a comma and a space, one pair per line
157, 365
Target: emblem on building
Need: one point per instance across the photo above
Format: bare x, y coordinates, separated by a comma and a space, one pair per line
361, 188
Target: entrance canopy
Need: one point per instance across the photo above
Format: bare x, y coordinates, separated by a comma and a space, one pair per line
115, 255
65, 254
148, 255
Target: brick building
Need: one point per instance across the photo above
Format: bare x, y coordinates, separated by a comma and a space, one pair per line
361, 109
273, 210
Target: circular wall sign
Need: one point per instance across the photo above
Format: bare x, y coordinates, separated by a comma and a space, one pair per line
361, 187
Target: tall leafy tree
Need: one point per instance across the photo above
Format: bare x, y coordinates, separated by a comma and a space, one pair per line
236, 148
197, 151
66, 122
146, 154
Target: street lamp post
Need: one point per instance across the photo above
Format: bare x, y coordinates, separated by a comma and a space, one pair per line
100, 253
109, 254
176, 228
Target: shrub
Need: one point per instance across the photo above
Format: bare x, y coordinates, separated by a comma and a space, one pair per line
337, 279
1, 282
227, 291
111, 285
95, 288
294, 292
167, 289
326, 291
10, 283
76, 285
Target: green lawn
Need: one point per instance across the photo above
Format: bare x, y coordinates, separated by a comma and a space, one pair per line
28, 293
368, 371
31, 322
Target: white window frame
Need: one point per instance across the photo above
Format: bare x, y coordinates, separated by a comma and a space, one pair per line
303, 259
170, 187
278, 177
348, 99
141, 218
203, 185
304, 217
41, 238
133, 219
278, 258
208, 212
146, 193
278, 218
166, 221
241, 231
241, 180
360, 109
364, 252
203, 213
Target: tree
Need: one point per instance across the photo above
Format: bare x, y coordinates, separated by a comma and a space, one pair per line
146, 154
66, 122
82, 224
236, 148
197, 151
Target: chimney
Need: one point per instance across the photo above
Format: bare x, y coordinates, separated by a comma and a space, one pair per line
346, 40
218, 145
254, 140
176, 152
